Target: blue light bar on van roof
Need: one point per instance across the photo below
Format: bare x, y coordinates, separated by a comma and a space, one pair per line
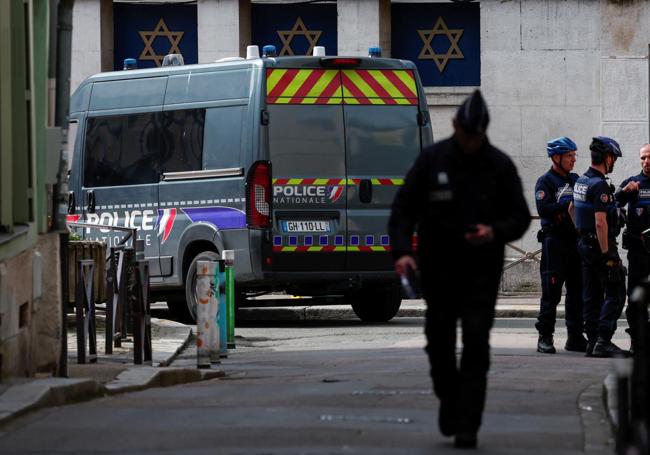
374, 51
130, 64
340, 61
269, 51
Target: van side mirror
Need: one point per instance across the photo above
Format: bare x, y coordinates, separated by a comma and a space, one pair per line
71, 202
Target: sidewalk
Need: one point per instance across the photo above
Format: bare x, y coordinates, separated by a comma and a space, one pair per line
111, 375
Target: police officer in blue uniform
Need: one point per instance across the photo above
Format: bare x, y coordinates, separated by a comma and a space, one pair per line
598, 222
560, 263
465, 198
635, 193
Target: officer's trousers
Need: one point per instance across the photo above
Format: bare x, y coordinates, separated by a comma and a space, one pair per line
560, 266
603, 299
462, 388
638, 270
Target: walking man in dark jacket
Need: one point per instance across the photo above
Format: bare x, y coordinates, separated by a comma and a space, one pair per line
464, 198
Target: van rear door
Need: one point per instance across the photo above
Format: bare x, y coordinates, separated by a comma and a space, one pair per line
382, 141
307, 151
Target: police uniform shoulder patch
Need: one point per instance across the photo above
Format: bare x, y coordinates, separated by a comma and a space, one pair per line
540, 195
604, 198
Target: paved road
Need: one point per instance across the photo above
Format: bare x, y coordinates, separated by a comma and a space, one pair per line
335, 387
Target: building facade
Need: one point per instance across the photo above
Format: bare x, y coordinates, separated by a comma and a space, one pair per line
547, 68
30, 291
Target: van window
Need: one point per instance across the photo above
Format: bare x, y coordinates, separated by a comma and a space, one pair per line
182, 140
223, 137
122, 150
136, 148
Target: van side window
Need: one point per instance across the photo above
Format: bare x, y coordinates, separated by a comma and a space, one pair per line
223, 137
182, 140
122, 150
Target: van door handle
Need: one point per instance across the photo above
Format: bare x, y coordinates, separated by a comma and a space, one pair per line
91, 202
365, 191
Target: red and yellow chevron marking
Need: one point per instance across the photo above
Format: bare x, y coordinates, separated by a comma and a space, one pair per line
379, 87
330, 249
349, 182
303, 86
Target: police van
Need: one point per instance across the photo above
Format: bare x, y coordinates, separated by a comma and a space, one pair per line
292, 162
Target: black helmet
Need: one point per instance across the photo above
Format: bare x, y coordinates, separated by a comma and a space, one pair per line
472, 116
600, 146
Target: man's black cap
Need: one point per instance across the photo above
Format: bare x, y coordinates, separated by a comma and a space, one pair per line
473, 115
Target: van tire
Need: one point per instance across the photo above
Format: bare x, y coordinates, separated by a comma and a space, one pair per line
376, 302
177, 305
190, 281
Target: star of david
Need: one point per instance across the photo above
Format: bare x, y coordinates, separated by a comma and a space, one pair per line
298, 28
453, 53
149, 37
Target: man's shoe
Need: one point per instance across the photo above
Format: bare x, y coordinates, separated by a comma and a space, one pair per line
465, 440
605, 348
576, 342
447, 418
545, 344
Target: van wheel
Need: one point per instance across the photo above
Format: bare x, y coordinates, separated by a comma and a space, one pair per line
177, 306
190, 281
376, 303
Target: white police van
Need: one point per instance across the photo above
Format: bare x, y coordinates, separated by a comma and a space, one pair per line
291, 162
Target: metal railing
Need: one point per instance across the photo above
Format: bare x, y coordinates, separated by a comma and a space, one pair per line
127, 300
525, 255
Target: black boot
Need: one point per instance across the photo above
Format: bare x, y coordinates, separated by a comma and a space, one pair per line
545, 344
589, 352
465, 440
605, 348
576, 342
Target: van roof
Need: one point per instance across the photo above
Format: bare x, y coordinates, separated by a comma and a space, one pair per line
284, 62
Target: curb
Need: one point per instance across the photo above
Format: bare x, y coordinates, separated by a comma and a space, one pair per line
42, 393
339, 312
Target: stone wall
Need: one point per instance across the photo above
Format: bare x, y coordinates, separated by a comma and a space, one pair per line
30, 310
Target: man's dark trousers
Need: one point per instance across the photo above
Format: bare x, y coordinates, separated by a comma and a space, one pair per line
638, 263
600, 314
560, 265
461, 388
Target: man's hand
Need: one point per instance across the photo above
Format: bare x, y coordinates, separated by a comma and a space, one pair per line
631, 187
482, 234
403, 264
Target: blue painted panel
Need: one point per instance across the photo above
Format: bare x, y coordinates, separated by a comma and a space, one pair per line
149, 32
295, 29
442, 39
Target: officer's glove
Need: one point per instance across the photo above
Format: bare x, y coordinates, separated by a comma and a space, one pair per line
612, 269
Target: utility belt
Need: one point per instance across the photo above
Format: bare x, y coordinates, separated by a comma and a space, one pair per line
636, 241
587, 235
559, 231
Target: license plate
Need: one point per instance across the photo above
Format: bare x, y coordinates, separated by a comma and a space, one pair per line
305, 226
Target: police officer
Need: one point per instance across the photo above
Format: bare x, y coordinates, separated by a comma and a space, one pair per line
560, 260
635, 192
598, 222
465, 199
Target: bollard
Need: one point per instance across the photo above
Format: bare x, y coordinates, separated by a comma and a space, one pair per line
222, 316
207, 307
229, 259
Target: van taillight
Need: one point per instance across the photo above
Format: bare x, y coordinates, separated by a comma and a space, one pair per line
258, 195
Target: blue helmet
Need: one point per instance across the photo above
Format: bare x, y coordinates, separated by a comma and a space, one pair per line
560, 146
610, 145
